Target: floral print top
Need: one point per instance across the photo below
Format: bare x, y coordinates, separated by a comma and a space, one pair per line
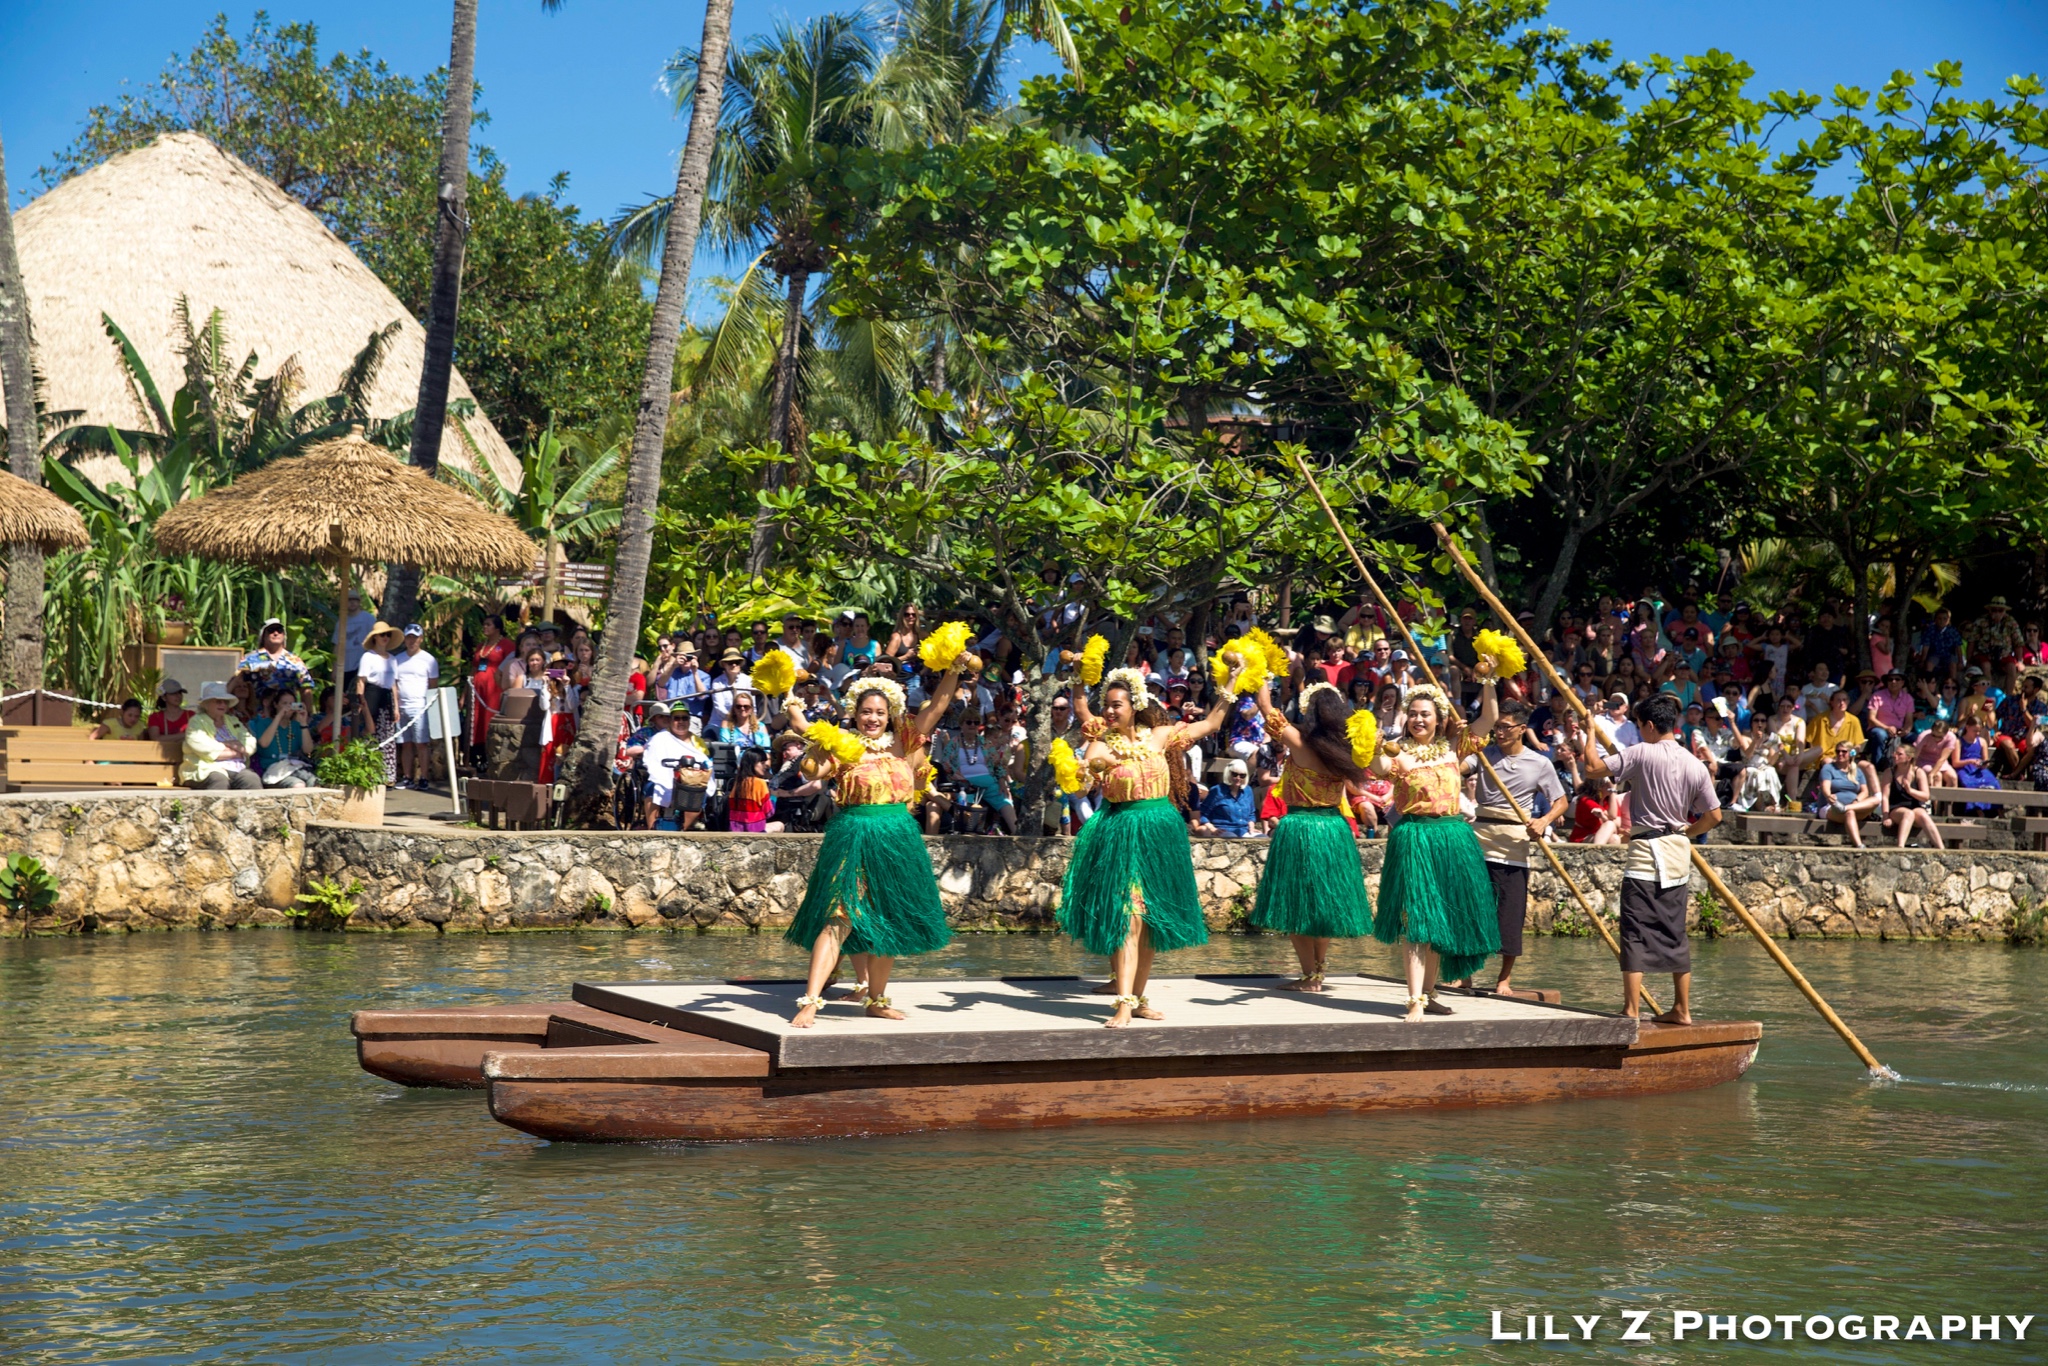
1302, 787
1142, 772
1432, 789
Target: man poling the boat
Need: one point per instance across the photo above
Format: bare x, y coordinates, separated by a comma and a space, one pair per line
1435, 899
1671, 800
1514, 779
1130, 886
872, 891
1312, 888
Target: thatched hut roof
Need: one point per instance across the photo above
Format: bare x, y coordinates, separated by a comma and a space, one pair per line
181, 217
350, 498
32, 515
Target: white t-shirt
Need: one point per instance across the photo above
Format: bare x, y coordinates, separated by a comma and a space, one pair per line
1813, 699
375, 669
415, 674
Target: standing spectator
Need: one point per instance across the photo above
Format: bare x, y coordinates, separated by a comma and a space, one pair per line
859, 649
1941, 647
1776, 651
271, 668
902, 646
171, 714
376, 682
1994, 640
728, 685
414, 673
487, 681
1829, 643
360, 620
127, 723
217, 746
1883, 649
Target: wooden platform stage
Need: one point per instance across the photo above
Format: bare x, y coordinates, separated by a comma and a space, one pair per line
646, 1061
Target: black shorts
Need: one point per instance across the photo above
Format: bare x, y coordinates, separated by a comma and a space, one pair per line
1653, 927
1511, 897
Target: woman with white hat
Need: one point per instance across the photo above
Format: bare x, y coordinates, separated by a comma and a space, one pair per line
376, 690
218, 746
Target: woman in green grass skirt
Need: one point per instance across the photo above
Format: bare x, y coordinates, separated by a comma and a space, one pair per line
1436, 900
1313, 886
872, 891
1130, 884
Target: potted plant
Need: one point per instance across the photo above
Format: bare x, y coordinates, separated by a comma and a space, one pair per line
357, 768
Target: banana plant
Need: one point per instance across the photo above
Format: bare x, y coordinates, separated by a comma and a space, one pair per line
556, 498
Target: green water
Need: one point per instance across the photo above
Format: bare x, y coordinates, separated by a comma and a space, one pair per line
193, 1169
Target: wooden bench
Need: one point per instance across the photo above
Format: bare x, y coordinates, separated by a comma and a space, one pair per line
48, 756
1763, 827
2026, 802
2032, 831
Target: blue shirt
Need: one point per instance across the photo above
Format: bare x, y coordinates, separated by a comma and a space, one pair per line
1231, 815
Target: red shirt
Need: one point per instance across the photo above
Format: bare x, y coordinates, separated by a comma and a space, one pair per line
1587, 818
164, 725
1339, 674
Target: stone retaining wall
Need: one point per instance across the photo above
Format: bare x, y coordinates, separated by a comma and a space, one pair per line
141, 860
154, 859
483, 880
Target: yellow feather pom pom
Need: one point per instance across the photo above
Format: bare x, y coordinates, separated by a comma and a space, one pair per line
1363, 730
1066, 767
1504, 650
775, 673
940, 648
1093, 655
842, 745
1253, 671
1275, 653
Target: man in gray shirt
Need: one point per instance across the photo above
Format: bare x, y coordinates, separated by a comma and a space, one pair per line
1531, 779
1671, 800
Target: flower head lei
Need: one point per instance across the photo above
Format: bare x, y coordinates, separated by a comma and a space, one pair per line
1437, 699
889, 688
1310, 691
1131, 681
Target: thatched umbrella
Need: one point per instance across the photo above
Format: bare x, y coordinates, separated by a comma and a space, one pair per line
342, 502
32, 515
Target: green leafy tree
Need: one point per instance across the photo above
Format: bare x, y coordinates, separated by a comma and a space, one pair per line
554, 501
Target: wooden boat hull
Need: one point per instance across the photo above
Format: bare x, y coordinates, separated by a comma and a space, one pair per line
572, 1100
638, 1063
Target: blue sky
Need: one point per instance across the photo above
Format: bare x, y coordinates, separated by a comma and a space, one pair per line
575, 91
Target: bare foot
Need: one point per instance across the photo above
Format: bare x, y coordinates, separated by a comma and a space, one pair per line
1671, 1017
1303, 984
1103, 989
1436, 1007
880, 1009
1414, 1015
1118, 1020
1149, 1013
804, 1018
857, 992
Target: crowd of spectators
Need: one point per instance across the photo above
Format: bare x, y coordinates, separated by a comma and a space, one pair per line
1782, 707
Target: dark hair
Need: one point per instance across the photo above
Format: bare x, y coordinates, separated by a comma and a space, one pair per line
1660, 711
1515, 709
128, 702
1323, 719
490, 617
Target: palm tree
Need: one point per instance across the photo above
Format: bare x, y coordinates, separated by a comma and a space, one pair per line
402, 588
589, 767
547, 508
21, 653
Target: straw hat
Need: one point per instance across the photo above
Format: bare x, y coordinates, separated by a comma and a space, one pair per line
32, 515
381, 628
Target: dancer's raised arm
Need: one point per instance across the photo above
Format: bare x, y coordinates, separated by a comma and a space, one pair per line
934, 709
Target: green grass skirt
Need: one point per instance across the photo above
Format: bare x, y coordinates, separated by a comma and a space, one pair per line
1313, 882
1434, 890
873, 865
1126, 847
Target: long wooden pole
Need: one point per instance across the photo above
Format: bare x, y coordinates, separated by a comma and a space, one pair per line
1415, 651
1699, 861
341, 574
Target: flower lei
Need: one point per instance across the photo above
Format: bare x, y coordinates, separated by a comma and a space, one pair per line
889, 688
1131, 681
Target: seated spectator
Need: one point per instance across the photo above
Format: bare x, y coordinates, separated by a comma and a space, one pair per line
1614, 722
1890, 713
1940, 652
284, 744
802, 803
2019, 720
1758, 781
1910, 799
1835, 727
1846, 791
1813, 697
1598, 816
730, 683
1230, 806
980, 764
1973, 763
741, 726
679, 777
1936, 752
217, 746
171, 713
126, 724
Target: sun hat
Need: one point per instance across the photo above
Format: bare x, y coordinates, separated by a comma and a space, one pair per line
1998, 601
214, 692
732, 657
379, 627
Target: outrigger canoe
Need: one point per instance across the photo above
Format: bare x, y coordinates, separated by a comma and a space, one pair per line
718, 1061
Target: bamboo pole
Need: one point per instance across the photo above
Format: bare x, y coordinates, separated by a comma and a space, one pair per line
1415, 652
1720, 888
